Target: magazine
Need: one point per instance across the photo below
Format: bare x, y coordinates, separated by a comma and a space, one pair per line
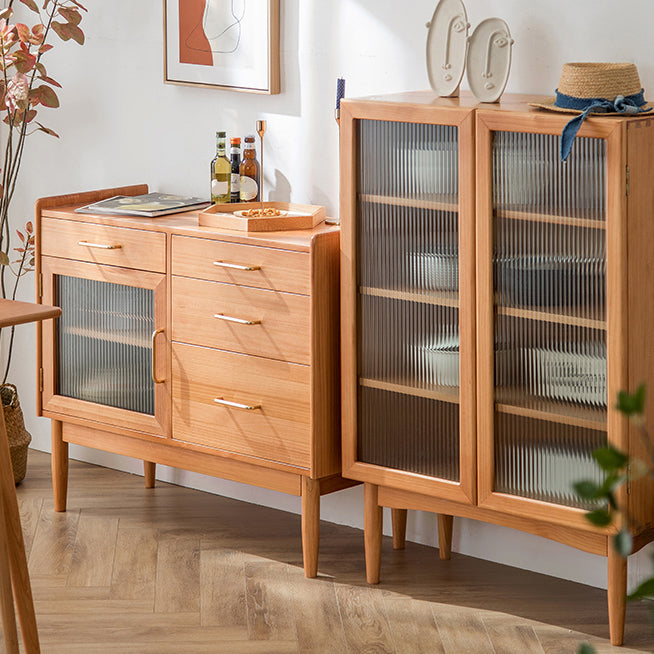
149, 205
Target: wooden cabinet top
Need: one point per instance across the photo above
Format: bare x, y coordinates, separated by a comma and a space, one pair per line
186, 224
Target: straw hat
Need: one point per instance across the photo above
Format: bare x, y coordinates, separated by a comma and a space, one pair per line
582, 83
585, 88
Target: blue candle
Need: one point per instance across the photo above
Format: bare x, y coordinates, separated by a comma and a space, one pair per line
340, 92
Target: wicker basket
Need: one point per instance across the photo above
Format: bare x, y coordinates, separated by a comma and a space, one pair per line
19, 438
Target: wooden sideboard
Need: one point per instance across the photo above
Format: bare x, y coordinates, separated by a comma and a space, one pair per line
208, 350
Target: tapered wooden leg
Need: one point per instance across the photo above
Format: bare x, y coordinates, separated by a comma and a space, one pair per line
617, 595
20, 579
6, 598
310, 525
398, 518
149, 471
59, 467
445, 526
372, 531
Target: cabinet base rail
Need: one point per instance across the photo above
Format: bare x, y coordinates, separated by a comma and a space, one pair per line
310, 490
377, 497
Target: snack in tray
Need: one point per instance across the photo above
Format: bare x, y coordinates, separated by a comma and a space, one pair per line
268, 212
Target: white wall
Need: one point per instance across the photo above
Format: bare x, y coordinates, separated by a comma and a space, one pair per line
119, 124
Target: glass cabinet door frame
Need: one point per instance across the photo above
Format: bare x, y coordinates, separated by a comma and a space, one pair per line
613, 131
352, 112
53, 404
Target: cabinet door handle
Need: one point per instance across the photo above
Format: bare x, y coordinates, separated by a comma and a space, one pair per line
240, 321
101, 246
236, 405
235, 266
155, 333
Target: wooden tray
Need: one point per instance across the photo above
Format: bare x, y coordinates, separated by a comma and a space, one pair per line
300, 216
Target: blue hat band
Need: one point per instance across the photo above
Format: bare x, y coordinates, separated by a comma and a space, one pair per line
628, 105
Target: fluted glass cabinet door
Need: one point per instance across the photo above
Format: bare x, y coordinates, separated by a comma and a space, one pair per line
108, 345
411, 260
544, 242
104, 343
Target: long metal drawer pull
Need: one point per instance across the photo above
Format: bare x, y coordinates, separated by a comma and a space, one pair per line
236, 405
235, 266
155, 333
101, 246
240, 321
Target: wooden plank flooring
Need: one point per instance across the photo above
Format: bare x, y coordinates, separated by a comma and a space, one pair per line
171, 570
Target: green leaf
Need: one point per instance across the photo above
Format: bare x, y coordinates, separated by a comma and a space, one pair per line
646, 589
587, 490
631, 403
610, 459
585, 648
599, 517
623, 543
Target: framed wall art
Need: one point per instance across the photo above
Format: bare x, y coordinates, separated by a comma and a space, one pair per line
226, 44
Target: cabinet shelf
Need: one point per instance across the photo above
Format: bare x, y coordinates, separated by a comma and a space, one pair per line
424, 297
552, 316
442, 393
514, 402
597, 222
109, 337
444, 202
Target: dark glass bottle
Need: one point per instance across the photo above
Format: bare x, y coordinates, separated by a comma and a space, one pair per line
235, 158
250, 170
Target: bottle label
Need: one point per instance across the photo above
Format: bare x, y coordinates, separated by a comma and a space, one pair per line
249, 188
219, 188
236, 181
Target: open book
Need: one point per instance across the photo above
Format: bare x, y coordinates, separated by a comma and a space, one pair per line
149, 205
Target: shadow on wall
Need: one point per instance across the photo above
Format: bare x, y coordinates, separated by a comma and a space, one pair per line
282, 188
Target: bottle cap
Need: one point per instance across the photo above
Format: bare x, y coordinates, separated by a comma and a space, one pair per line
221, 135
249, 138
235, 141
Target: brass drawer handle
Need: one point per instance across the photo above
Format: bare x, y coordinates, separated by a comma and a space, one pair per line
240, 321
101, 246
236, 405
155, 333
235, 266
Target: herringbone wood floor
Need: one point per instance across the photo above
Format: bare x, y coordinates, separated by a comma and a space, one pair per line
172, 570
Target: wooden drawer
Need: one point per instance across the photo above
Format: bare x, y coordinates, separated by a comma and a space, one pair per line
249, 265
105, 244
281, 320
278, 430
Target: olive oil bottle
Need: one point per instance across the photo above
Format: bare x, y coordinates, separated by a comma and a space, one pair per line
221, 172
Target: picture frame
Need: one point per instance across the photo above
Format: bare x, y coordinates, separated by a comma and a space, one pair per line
225, 44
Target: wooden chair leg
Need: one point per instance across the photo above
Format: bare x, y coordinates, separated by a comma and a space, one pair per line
445, 526
372, 530
310, 525
149, 473
398, 518
6, 598
617, 595
20, 579
59, 466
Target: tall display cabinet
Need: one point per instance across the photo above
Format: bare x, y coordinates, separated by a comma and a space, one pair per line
494, 301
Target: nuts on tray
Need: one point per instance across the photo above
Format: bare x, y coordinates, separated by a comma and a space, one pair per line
269, 212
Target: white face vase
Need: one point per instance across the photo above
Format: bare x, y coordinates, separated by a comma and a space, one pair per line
222, 24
